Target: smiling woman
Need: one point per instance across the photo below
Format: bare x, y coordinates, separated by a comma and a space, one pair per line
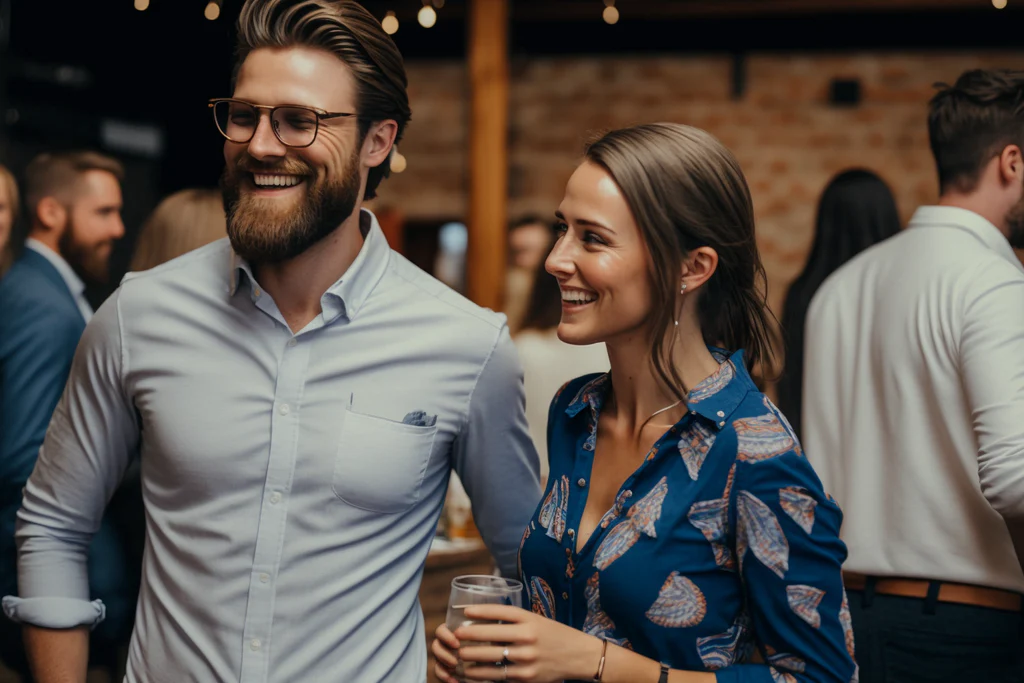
682, 529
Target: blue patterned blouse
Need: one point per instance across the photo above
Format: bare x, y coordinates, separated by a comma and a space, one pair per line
720, 543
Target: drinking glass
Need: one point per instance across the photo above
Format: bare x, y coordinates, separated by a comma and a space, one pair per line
479, 589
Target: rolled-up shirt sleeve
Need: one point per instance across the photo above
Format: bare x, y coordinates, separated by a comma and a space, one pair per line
89, 444
991, 357
495, 458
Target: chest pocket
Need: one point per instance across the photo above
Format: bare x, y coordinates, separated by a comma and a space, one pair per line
380, 464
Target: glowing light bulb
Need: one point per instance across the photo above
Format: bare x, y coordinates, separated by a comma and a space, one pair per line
426, 16
142, 5
999, 4
611, 15
398, 162
212, 11
390, 24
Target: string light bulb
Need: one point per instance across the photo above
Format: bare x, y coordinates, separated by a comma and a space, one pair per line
427, 16
999, 4
610, 13
142, 5
212, 10
398, 162
390, 23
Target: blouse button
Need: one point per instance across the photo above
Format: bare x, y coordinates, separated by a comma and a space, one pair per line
565, 596
588, 447
629, 494
721, 424
572, 534
582, 482
721, 413
604, 524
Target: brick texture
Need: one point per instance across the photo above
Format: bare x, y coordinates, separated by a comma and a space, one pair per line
787, 136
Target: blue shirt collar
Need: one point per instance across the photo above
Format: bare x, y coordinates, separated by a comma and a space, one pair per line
349, 293
715, 398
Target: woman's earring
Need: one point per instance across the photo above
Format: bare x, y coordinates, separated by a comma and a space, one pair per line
682, 290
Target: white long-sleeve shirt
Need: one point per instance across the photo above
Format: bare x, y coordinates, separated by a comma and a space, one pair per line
914, 401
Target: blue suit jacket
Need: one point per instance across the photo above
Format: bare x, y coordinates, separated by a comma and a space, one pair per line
40, 326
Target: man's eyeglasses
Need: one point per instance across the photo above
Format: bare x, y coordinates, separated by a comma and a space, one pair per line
294, 125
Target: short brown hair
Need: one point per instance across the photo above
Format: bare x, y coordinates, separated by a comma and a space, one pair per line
56, 174
347, 30
184, 221
972, 121
685, 190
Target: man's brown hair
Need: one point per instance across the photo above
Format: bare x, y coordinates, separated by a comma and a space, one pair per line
56, 174
347, 30
972, 121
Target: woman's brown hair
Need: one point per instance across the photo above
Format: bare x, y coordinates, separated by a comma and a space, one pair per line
686, 190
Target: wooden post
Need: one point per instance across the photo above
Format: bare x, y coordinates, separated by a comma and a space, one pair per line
488, 151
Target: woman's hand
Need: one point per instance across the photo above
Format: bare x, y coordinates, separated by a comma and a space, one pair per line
444, 647
540, 650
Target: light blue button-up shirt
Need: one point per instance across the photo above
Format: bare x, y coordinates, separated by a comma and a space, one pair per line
292, 482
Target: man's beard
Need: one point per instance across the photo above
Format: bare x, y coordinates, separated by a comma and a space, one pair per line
263, 230
1015, 225
90, 261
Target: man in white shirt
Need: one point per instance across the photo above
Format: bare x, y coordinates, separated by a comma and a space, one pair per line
914, 407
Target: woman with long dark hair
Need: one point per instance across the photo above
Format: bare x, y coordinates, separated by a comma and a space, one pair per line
856, 210
682, 529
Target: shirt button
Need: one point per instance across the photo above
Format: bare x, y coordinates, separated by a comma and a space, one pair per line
572, 534
283, 409
721, 413
257, 291
565, 596
604, 524
292, 342
264, 578
587, 447
255, 644
721, 424
629, 494
582, 482
275, 498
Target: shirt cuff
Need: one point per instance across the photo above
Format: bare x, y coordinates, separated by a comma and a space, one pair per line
54, 612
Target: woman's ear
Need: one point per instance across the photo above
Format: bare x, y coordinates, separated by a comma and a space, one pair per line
698, 267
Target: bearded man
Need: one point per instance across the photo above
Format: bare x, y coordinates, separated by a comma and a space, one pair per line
298, 392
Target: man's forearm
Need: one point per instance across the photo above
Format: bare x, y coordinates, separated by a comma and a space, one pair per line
57, 655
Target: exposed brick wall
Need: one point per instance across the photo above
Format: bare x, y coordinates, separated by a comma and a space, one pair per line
788, 139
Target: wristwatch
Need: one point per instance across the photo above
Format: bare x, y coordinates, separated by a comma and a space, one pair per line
664, 674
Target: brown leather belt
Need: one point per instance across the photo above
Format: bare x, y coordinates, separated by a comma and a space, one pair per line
961, 593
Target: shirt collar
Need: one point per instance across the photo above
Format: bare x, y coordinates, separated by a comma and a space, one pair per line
715, 398
981, 228
67, 273
348, 294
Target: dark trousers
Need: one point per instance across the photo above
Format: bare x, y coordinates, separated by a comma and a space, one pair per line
921, 640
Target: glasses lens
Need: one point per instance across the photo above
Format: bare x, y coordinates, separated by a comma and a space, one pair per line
295, 126
236, 120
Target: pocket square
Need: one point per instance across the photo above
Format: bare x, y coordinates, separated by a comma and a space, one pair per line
419, 418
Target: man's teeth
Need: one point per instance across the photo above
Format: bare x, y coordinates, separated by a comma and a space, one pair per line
578, 297
263, 180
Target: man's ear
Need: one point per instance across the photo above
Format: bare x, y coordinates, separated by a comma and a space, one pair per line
51, 214
378, 143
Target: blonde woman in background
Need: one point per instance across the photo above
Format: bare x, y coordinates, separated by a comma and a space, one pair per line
8, 215
184, 221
